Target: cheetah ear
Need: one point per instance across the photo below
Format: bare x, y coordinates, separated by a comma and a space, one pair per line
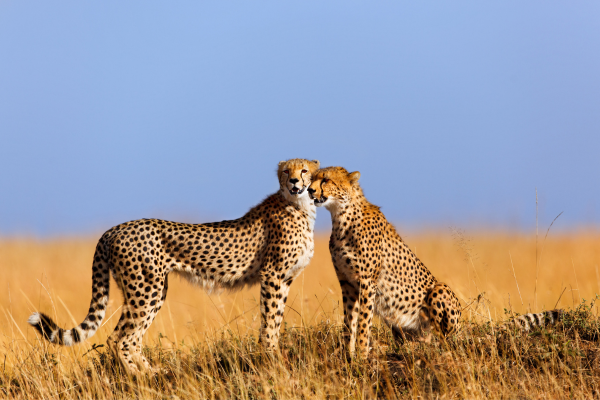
354, 176
280, 167
317, 163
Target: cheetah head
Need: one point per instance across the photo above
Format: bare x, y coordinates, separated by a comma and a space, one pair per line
295, 175
332, 186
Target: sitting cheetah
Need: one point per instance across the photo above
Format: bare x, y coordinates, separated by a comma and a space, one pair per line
271, 244
378, 272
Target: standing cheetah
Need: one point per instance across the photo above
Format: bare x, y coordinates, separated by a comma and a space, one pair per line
269, 245
378, 272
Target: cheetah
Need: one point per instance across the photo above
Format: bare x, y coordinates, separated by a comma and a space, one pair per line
271, 244
377, 271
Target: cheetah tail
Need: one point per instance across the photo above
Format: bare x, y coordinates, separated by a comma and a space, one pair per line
530, 321
100, 287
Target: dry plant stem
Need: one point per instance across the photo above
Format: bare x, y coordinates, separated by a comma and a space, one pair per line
67, 310
171, 320
597, 278
576, 282
559, 297
537, 264
49, 296
515, 276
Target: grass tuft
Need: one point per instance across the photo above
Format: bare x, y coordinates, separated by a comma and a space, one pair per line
557, 362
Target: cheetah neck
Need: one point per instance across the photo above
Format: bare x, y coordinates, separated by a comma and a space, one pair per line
304, 203
353, 202
341, 214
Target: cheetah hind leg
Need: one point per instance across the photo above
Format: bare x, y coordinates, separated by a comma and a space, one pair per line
123, 344
146, 315
126, 340
115, 337
442, 310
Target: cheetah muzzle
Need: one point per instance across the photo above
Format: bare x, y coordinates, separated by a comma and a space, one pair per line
318, 201
297, 191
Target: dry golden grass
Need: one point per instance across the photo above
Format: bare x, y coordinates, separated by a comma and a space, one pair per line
208, 342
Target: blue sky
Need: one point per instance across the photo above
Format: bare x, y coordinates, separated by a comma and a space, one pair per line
453, 112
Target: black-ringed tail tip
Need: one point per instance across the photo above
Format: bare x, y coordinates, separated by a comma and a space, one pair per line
531, 321
50, 331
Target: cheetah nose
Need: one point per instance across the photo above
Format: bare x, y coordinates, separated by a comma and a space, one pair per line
294, 181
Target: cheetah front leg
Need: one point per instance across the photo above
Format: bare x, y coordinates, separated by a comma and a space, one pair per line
273, 295
366, 307
442, 309
351, 308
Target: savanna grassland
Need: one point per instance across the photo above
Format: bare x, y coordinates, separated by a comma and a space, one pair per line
206, 345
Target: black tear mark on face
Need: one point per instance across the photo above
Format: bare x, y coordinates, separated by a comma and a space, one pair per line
323, 181
283, 173
304, 184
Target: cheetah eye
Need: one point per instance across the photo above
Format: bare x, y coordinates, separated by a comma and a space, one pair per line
304, 171
286, 171
325, 180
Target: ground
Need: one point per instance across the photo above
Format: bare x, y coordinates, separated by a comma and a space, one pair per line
209, 342
557, 363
